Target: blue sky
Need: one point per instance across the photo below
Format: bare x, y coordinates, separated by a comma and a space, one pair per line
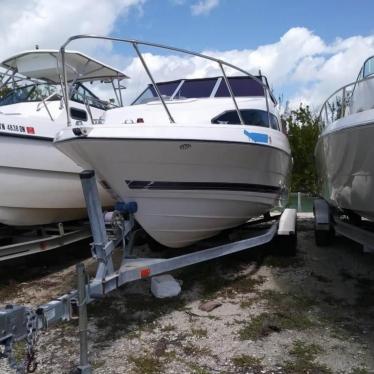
246, 23
306, 48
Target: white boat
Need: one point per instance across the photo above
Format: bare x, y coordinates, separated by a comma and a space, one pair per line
198, 156
344, 152
39, 184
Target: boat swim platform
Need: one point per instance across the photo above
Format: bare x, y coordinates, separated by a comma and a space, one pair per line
19, 323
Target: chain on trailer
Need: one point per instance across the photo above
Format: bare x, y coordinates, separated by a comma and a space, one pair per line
29, 364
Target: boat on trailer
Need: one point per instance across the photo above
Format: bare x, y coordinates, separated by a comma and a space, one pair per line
40, 185
344, 152
198, 156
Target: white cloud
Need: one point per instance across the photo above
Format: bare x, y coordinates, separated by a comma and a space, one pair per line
49, 23
203, 7
300, 64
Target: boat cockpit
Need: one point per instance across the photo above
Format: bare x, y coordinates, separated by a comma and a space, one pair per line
355, 97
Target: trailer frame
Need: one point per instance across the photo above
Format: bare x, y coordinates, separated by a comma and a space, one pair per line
18, 242
328, 221
13, 319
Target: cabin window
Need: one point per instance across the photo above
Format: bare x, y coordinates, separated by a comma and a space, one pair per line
274, 122
253, 117
78, 114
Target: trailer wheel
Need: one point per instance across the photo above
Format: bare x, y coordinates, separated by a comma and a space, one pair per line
286, 245
323, 238
322, 223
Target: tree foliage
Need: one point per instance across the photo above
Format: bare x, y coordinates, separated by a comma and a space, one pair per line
303, 131
4, 90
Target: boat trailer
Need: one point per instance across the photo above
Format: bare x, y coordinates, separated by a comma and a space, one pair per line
328, 222
18, 242
109, 231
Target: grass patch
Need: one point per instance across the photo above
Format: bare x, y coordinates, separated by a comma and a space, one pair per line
114, 316
168, 328
258, 327
199, 332
359, 371
304, 356
286, 313
146, 365
213, 278
246, 362
247, 303
226, 287
196, 369
193, 350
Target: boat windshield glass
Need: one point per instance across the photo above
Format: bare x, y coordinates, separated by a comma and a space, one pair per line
82, 94
202, 88
34, 92
196, 88
40, 92
166, 89
241, 86
369, 67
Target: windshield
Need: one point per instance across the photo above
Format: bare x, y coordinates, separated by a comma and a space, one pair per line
166, 89
202, 88
39, 92
82, 94
369, 67
35, 92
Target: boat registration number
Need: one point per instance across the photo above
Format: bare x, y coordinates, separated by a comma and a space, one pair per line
17, 128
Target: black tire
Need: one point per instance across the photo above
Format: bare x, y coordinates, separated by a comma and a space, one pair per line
285, 245
323, 238
354, 219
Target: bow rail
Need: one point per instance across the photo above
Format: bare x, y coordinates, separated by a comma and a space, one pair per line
135, 44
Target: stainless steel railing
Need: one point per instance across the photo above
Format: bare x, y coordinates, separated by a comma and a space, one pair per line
338, 104
45, 103
135, 44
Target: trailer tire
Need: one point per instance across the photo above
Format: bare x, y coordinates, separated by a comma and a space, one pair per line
323, 238
286, 245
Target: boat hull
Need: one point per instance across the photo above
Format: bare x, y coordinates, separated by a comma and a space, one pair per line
39, 185
187, 190
344, 158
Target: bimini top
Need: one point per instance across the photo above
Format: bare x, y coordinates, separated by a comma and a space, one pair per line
43, 64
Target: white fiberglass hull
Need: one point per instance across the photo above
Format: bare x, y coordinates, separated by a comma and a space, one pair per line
39, 185
344, 156
187, 190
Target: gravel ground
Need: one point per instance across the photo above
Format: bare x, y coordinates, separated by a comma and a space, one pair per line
306, 314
